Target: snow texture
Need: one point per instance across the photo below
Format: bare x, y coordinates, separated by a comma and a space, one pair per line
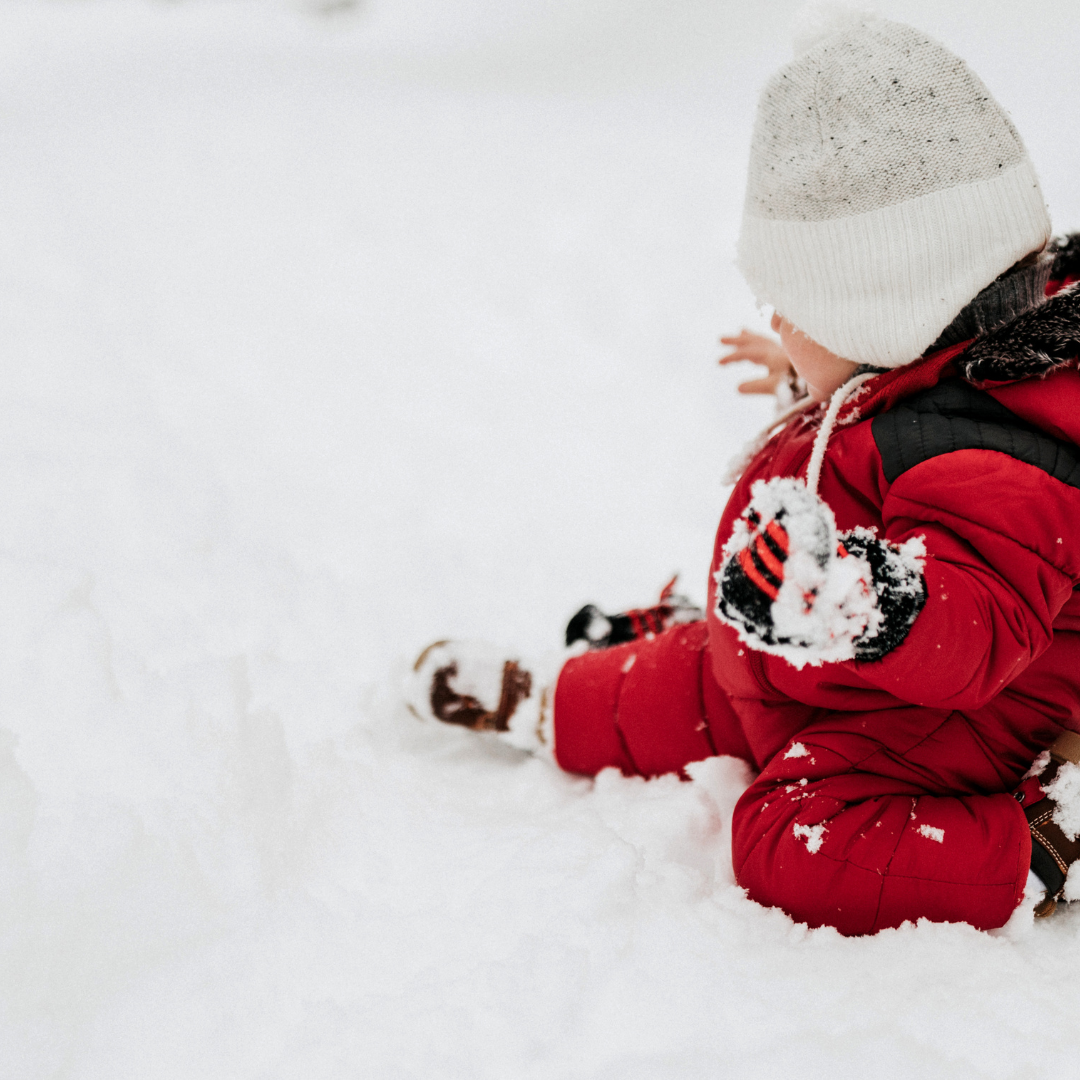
814, 835
932, 833
1064, 789
1038, 766
329, 335
1072, 884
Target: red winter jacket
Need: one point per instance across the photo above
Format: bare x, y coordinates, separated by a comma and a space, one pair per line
885, 787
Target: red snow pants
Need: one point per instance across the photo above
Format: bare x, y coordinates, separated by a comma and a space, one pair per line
864, 820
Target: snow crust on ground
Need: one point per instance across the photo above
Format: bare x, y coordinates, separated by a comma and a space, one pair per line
330, 330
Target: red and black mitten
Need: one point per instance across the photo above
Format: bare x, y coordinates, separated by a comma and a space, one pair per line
602, 631
793, 586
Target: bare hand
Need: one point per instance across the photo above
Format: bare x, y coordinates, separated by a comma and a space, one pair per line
762, 350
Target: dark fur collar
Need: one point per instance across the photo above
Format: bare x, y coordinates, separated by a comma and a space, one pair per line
1035, 343
1066, 252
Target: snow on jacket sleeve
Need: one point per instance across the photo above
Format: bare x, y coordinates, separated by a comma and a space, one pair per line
998, 504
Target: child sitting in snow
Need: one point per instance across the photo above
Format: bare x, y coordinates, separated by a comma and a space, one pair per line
893, 624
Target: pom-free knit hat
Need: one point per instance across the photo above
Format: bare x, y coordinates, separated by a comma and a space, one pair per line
886, 189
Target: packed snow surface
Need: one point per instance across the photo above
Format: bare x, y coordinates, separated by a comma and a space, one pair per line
332, 329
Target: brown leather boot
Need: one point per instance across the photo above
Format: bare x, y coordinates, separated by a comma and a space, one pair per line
451, 707
474, 686
1052, 851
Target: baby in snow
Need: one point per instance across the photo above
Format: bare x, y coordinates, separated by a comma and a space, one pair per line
893, 626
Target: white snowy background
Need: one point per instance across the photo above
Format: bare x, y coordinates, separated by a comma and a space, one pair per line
329, 329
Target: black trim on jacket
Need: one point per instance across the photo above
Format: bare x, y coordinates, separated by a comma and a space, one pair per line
954, 415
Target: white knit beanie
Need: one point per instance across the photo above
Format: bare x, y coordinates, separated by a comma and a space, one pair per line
886, 189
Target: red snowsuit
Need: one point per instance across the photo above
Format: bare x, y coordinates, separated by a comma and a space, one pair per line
885, 787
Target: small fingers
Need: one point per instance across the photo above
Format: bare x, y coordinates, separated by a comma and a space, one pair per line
756, 353
760, 386
744, 336
775, 359
735, 357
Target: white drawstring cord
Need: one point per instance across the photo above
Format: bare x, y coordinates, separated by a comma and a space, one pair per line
840, 395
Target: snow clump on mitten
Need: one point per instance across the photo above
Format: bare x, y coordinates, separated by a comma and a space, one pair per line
899, 588
785, 584
791, 585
